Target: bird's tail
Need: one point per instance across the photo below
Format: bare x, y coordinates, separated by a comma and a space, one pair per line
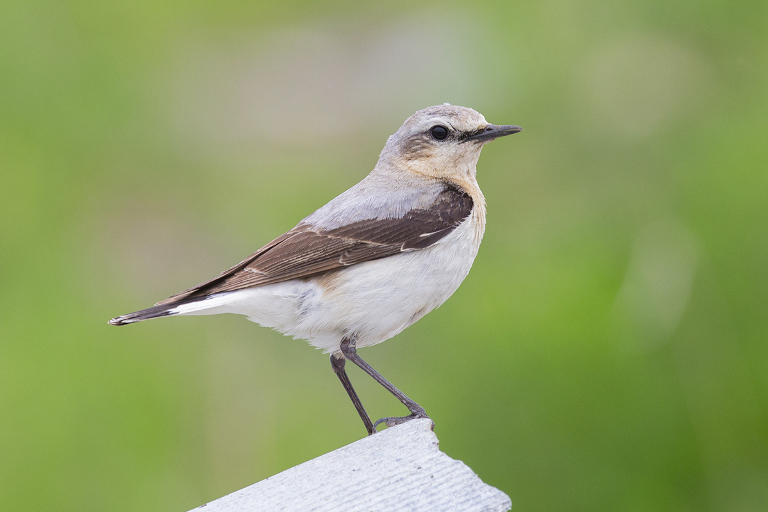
145, 314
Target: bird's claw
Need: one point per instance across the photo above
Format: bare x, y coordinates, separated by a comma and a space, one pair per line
397, 420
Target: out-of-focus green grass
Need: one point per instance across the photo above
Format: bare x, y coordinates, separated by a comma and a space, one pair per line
607, 352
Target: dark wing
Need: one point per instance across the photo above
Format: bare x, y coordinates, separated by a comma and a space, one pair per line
306, 251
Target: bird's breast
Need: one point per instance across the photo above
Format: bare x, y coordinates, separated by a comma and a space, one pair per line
378, 299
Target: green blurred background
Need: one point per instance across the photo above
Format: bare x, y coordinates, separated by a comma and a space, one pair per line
607, 351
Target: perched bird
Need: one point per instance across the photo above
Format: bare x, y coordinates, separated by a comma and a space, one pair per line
373, 260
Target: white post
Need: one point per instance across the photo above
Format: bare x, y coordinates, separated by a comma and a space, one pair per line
398, 469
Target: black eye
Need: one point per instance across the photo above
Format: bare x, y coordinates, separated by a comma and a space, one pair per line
439, 132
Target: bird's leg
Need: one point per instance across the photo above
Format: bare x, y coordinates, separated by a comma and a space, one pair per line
337, 363
349, 351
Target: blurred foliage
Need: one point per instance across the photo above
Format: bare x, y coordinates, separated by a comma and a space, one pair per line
607, 352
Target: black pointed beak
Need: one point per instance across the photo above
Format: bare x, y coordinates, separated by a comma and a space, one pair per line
492, 131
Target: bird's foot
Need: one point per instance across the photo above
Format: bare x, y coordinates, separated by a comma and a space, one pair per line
397, 420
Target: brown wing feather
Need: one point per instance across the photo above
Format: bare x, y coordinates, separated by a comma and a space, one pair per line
306, 251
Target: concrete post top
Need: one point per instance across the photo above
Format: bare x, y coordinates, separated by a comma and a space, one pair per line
398, 469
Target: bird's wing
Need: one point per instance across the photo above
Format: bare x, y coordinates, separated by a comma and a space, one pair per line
306, 251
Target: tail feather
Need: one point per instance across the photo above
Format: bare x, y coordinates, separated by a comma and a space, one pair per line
144, 314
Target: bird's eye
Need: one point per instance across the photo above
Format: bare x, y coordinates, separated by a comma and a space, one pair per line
439, 132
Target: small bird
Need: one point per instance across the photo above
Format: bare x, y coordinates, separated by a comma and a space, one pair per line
372, 261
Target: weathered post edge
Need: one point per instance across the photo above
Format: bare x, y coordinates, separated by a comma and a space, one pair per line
400, 468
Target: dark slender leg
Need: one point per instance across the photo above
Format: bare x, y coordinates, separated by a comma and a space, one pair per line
348, 349
338, 367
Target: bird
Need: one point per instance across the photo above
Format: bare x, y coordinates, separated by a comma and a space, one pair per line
373, 260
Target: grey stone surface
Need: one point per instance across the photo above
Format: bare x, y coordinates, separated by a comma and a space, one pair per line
398, 469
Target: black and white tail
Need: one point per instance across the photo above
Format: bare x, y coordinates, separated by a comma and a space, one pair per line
145, 314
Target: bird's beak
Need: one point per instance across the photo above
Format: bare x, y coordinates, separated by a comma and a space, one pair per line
492, 131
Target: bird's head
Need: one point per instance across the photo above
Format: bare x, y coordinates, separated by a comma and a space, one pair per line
443, 141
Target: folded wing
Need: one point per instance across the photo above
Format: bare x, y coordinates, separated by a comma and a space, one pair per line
306, 251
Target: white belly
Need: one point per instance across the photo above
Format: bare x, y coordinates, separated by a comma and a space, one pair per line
374, 300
